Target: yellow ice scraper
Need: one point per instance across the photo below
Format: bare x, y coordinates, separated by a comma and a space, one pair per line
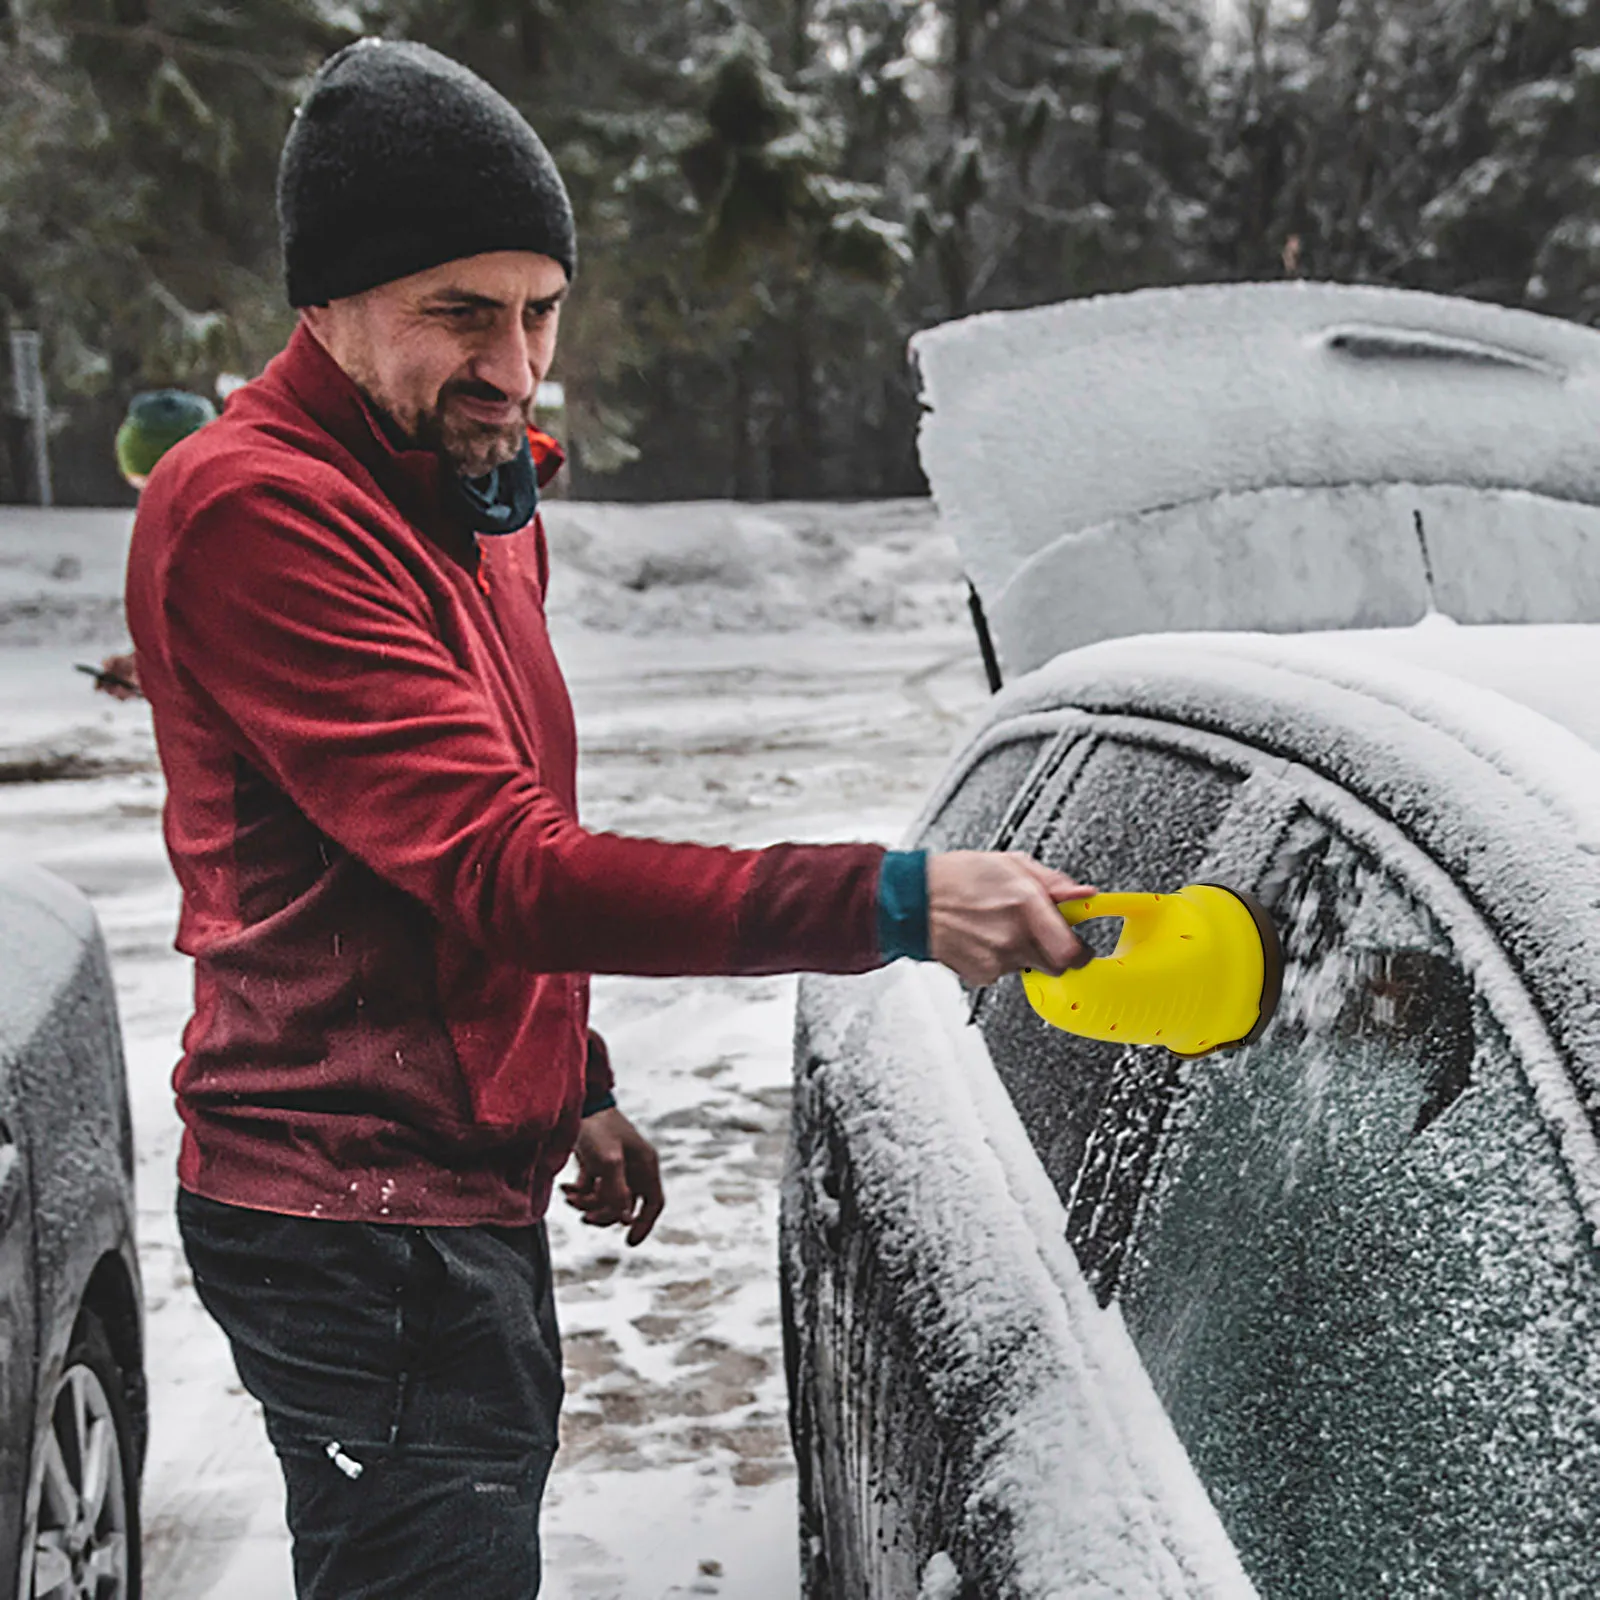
1195, 971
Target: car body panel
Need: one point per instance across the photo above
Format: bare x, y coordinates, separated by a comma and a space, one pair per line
1280, 457
939, 1299
18, 1315
60, 1043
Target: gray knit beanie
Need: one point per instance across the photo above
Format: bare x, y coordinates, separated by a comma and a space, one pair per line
400, 159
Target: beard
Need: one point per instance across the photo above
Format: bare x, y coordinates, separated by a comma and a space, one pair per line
472, 447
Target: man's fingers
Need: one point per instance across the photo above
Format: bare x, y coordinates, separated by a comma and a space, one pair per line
601, 1192
644, 1177
651, 1207
592, 1205
1058, 885
619, 1176
611, 1190
1057, 948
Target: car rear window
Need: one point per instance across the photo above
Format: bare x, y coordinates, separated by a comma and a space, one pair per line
975, 809
1134, 817
1359, 1278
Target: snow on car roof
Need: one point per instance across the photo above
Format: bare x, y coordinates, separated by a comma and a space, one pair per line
1283, 457
1419, 711
1549, 668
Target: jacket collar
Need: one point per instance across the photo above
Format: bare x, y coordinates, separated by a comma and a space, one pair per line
415, 480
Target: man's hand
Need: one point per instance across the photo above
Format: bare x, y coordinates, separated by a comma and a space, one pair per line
991, 913
619, 1177
119, 677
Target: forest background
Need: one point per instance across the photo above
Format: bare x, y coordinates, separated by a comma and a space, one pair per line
772, 195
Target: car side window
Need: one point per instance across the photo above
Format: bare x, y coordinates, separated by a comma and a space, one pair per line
1360, 1279
969, 818
1131, 817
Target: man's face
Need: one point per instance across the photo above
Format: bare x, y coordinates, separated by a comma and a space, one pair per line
453, 356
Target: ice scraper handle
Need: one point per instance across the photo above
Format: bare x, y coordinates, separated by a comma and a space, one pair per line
1195, 971
1139, 913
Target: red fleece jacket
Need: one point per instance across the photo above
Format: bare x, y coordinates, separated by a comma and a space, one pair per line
370, 760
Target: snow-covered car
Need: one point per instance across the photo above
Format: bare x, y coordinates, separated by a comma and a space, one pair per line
1316, 1317
72, 1393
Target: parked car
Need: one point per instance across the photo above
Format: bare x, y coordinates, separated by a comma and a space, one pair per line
72, 1393
1316, 1317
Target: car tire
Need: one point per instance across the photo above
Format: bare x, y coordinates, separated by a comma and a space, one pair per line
85, 1452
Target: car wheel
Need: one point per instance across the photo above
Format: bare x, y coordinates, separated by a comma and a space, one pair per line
83, 1535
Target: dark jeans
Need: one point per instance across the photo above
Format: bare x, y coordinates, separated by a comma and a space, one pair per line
411, 1379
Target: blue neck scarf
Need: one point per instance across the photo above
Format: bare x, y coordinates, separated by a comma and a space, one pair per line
502, 501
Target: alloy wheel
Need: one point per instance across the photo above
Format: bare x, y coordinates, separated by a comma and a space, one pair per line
80, 1537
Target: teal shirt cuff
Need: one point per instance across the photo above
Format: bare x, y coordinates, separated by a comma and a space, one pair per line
903, 905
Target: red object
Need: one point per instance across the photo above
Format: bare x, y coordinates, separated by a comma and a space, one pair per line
370, 763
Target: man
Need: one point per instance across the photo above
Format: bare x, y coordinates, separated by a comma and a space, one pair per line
337, 596
156, 420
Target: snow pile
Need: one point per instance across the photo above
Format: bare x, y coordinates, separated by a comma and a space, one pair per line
723, 567
869, 570
1273, 456
695, 567
61, 575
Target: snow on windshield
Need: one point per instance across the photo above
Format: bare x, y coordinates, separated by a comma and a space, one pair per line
1361, 1281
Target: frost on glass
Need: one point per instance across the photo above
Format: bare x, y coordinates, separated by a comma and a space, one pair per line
968, 820
1360, 1280
1135, 818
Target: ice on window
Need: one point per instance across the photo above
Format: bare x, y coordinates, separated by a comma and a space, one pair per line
1361, 1281
1131, 818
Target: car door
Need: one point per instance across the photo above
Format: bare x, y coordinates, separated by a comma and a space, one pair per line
1124, 813
1351, 1257
18, 1303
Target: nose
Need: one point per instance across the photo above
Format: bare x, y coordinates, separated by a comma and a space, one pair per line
506, 363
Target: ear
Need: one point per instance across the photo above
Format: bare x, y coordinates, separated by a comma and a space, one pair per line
328, 327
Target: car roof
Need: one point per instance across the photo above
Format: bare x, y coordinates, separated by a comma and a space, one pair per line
1437, 709
1285, 457
1549, 668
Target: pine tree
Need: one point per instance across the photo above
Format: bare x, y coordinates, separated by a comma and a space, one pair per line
1517, 217
136, 219
1069, 160
749, 178
1442, 144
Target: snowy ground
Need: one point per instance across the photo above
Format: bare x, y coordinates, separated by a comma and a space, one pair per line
740, 675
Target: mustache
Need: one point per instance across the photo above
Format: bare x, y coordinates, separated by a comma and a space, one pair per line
472, 389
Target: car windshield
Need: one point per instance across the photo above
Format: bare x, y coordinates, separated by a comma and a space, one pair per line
1360, 1280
